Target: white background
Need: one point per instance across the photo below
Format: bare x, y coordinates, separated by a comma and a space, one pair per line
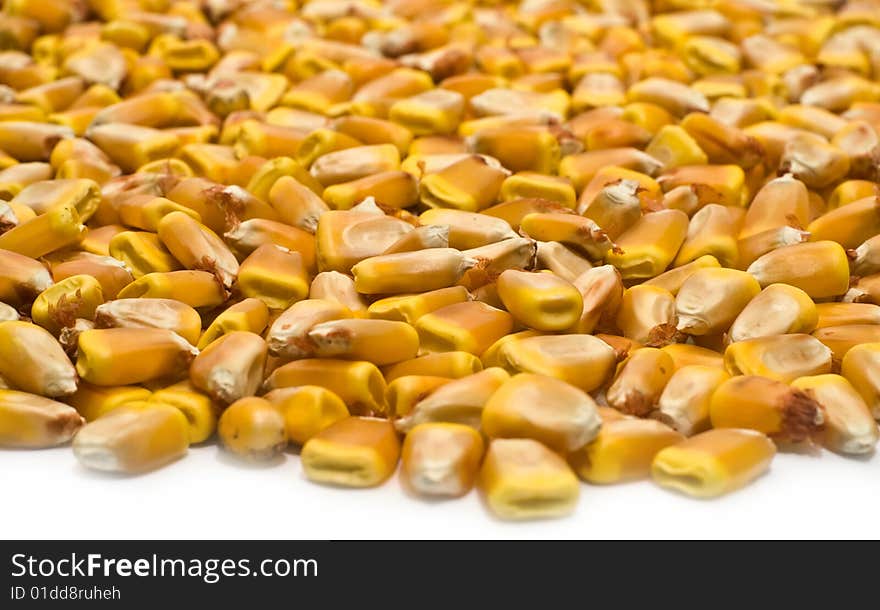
211, 495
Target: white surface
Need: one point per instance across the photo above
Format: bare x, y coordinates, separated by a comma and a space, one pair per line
210, 495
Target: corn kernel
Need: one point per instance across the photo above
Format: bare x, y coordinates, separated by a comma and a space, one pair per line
307, 410
523, 479
353, 452
768, 406
849, 426
249, 315
685, 402
713, 463
711, 299
231, 367
31, 421
133, 438
779, 357
623, 451
359, 384
61, 304
33, 361
441, 459
199, 410
252, 428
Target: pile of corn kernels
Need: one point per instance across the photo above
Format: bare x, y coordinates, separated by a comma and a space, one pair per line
508, 245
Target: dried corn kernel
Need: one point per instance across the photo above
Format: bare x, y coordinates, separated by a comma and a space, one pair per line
713, 463
441, 459
353, 452
31, 421
133, 438
252, 428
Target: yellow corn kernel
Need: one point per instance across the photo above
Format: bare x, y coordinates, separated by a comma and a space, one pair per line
252, 428
403, 393
136, 437
32, 360
562, 261
437, 111
340, 288
674, 147
142, 252
371, 130
57, 228
623, 451
812, 160
840, 339
34, 422
75, 297
581, 360
131, 146
821, 269
468, 230
21, 278
213, 161
866, 257
345, 238
194, 288
404, 272
864, 290
575, 231
849, 425
409, 308
275, 276
307, 410
231, 367
514, 210
469, 184
778, 310
320, 92
768, 406
31, 141
470, 326
615, 208
849, 191
199, 410
713, 463
753, 247
523, 479
712, 231
44, 195
354, 163
249, 315
321, 142
93, 401
288, 335
781, 202
539, 300
395, 189
549, 410
461, 400
527, 184
849, 225
491, 260
780, 357
723, 143
842, 314
110, 273
381, 342
723, 184
684, 354
685, 402
640, 381
353, 452
711, 299
296, 204
650, 245
647, 315
441, 459
124, 356
147, 212
197, 247
860, 367
251, 234
673, 279
150, 313
452, 365
519, 148
359, 384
